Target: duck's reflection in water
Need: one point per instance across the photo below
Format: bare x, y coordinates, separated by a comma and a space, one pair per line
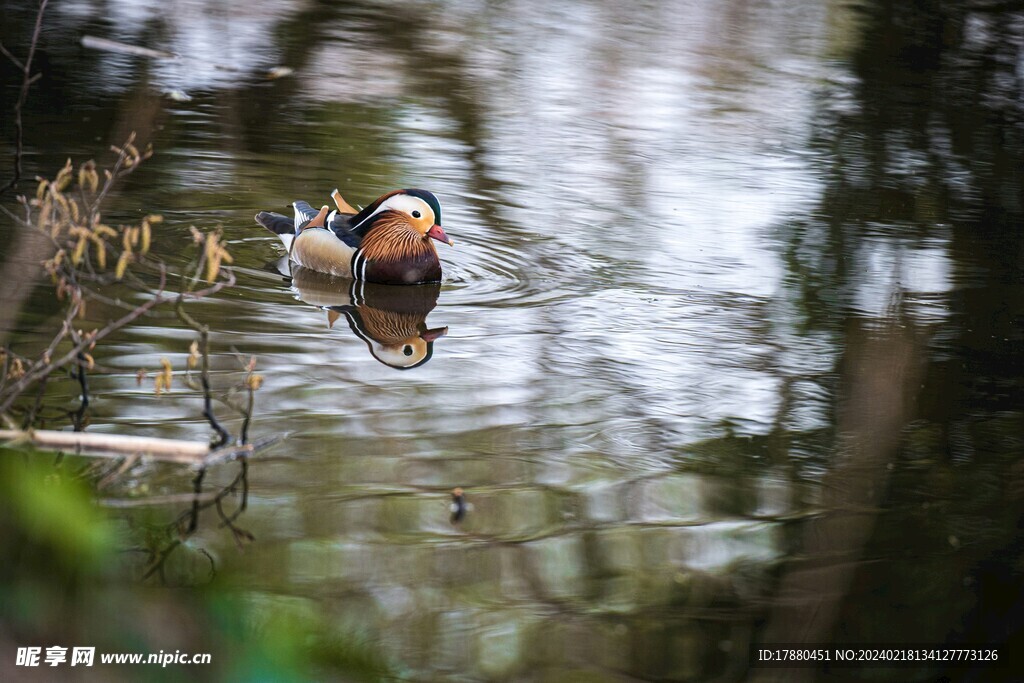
391, 319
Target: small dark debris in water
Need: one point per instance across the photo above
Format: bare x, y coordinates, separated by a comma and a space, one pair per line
459, 507
279, 72
177, 95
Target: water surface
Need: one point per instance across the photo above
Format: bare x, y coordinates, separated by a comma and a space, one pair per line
733, 347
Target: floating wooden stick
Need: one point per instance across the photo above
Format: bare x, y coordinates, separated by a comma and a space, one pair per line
107, 45
114, 46
112, 445
193, 453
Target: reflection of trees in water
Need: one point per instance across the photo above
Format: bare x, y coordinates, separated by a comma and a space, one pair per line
927, 151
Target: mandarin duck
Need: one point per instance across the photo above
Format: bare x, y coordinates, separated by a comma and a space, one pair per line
388, 242
390, 320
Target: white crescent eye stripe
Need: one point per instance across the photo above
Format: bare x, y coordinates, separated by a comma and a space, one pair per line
407, 204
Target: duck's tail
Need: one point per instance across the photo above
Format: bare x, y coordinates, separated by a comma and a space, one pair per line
282, 226
287, 228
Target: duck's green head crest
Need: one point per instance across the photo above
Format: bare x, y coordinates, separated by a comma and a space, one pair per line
430, 199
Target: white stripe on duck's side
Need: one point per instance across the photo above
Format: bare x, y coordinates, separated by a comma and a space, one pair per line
320, 249
359, 266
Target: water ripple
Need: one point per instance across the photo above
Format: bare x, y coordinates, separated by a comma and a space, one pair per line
493, 273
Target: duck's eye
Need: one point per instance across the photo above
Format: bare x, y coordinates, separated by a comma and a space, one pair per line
407, 350
415, 214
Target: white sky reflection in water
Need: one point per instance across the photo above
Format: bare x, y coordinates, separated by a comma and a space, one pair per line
623, 249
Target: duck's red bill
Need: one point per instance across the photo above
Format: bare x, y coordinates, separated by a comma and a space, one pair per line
436, 333
437, 232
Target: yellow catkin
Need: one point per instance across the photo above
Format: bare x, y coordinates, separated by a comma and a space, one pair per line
255, 382
193, 355
17, 369
212, 258
163, 380
104, 230
63, 178
44, 213
62, 202
144, 247
212, 269
76, 255
101, 253
122, 264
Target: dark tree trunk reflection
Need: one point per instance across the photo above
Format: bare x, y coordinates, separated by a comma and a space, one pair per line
919, 502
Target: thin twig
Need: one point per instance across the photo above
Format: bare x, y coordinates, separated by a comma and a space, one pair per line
244, 503
158, 563
30, 416
11, 393
40, 372
197, 489
204, 374
26, 81
83, 382
109, 477
112, 177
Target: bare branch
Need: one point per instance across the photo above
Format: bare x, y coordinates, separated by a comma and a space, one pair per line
14, 60
26, 81
41, 371
204, 375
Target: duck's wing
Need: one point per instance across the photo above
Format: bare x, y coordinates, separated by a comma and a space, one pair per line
304, 214
341, 225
